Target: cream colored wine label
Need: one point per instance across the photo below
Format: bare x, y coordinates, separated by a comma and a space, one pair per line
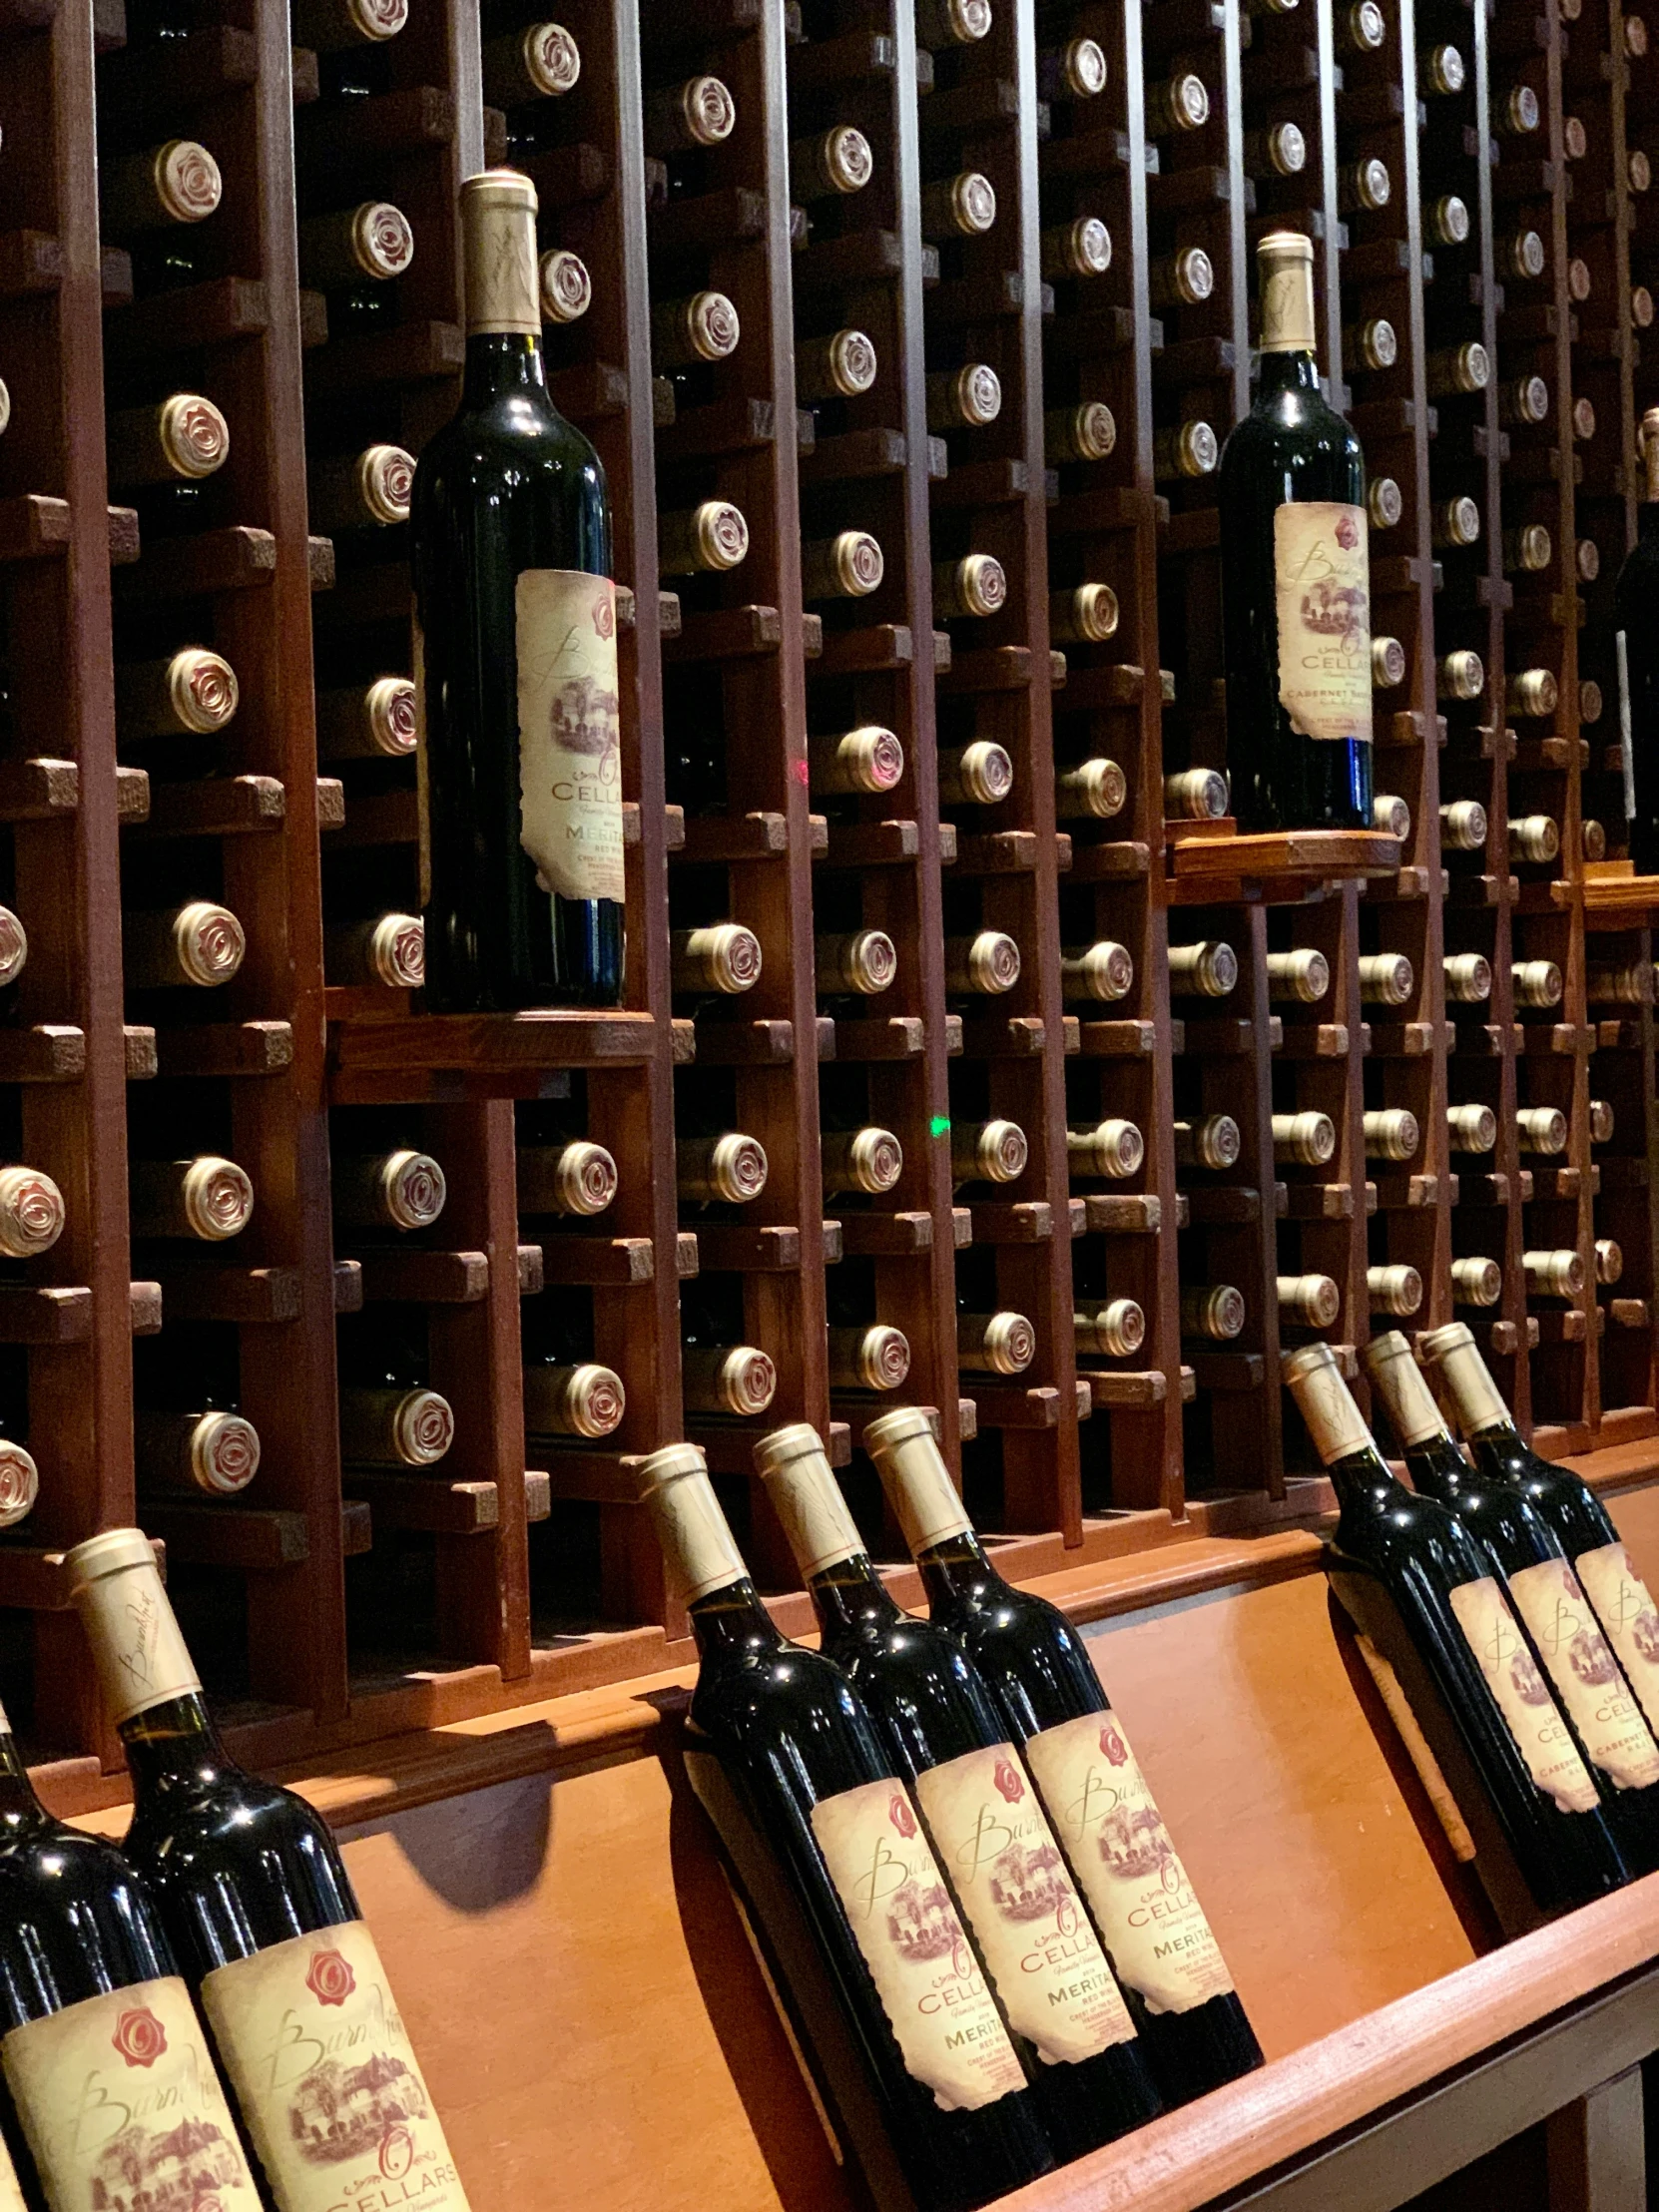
325, 2079
1122, 1856
1321, 583
122, 2107
948, 2031
1628, 1616
570, 732
1522, 1695
1044, 1958
1588, 1678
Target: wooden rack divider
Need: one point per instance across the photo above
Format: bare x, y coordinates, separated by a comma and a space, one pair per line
339, 1603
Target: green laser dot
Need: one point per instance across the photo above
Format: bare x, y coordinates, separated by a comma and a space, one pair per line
939, 1126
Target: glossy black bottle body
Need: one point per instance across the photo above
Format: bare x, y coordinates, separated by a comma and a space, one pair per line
1564, 1499
1503, 1521
1039, 1671
1291, 446
790, 1731
1394, 1561
235, 1864
1636, 617
506, 485
931, 1704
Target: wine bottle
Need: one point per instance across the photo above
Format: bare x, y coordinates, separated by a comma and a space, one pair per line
541, 61
1113, 1331
1206, 971
1476, 1282
401, 1190
1096, 791
1303, 976
1184, 280
1080, 248
1468, 978
1184, 452
962, 206
1179, 103
1609, 1260
1533, 692
1213, 1141
1446, 221
184, 439
988, 1151
213, 1452
975, 586
1534, 838
1566, 1504
368, 243
710, 539
1394, 1290
976, 775
1636, 660
521, 795
872, 1357
200, 944
1299, 695
1441, 71
864, 962
1538, 983
86, 1970
868, 1161
1455, 524
174, 182
257, 1906
1196, 794
727, 1379
585, 1399
1308, 1301
722, 956
730, 1167
331, 26
1307, 1139
1455, 1673
1601, 1121
937, 1718
1631, 986
996, 1344
368, 722
1459, 676
563, 286
1385, 502
1589, 1684
1385, 978
681, 118
394, 1425
952, 22
578, 1178
987, 964
209, 1196
1215, 1312
791, 1768
867, 760
1541, 1129
1113, 1149
1472, 1128
847, 566
360, 491
1388, 664
388, 950
1281, 149
841, 367
703, 326
1085, 615
1104, 970
1553, 1273
190, 693
1364, 186
830, 164
1365, 27
1463, 826
966, 398
1390, 1133
1168, 1964
1075, 71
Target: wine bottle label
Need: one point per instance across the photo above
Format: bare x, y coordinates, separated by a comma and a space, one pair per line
1121, 1852
121, 2105
943, 2018
569, 732
1044, 1959
1522, 1695
1587, 1677
1418, 1750
1322, 579
1625, 1608
326, 2078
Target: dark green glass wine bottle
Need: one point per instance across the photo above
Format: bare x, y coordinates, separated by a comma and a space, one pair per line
1295, 579
1047, 1969
883, 1982
1588, 1682
516, 681
1037, 1667
259, 1910
1620, 1598
89, 1995
1456, 1673
1636, 649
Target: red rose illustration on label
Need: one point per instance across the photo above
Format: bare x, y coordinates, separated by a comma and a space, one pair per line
1113, 1744
140, 2038
901, 1817
1008, 1782
330, 1979
604, 616
1347, 533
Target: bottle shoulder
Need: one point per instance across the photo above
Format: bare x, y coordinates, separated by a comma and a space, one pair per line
520, 430
1294, 426
189, 1833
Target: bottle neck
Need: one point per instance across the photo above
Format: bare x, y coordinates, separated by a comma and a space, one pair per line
500, 362
852, 1600
174, 1745
1292, 370
1364, 1477
732, 1620
1437, 1468
19, 1806
957, 1575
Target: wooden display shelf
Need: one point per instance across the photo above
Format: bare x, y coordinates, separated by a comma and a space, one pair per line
1614, 897
1308, 855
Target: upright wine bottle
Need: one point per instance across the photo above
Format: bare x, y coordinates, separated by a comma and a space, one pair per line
1636, 654
1621, 1599
1450, 1660
89, 1995
516, 668
1296, 584
256, 1904
1055, 1707
789, 1761
1588, 1682
937, 1717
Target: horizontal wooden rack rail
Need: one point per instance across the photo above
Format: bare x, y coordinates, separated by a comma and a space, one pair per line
334, 1601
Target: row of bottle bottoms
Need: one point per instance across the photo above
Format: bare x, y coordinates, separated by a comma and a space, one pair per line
1010, 1938
1503, 1623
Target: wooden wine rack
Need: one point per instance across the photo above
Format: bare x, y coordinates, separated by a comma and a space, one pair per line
333, 1606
